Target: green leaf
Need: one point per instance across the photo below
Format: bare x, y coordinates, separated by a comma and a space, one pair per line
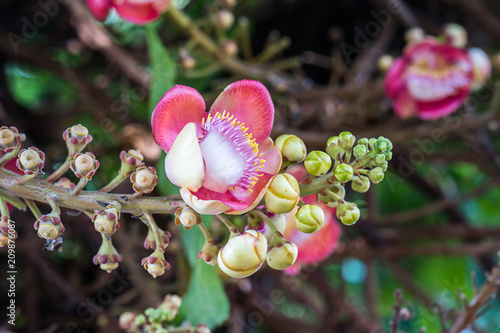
164, 72
206, 301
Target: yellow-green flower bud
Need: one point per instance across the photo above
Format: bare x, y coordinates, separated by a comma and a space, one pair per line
84, 165
339, 190
379, 159
384, 165
30, 160
388, 155
343, 172
209, 252
77, 137
360, 184
155, 264
292, 147
359, 151
187, 217
243, 254
318, 163
455, 34
363, 141
131, 160
383, 144
376, 175
144, 179
309, 219
283, 194
333, 149
372, 142
49, 226
107, 257
346, 140
282, 257
348, 213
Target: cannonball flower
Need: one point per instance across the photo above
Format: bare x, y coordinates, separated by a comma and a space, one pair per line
312, 248
134, 11
430, 80
223, 160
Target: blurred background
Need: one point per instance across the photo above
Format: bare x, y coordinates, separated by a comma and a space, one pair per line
432, 221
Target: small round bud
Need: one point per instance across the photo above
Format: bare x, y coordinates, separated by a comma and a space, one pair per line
318, 163
127, 321
282, 257
187, 217
455, 34
229, 48
7, 232
150, 241
224, 19
243, 254
10, 139
360, 184
84, 165
292, 147
383, 145
346, 140
348, 213
338, 189
359, 151
77, 137
202, 328
283, 194
376, 175
257, 224
414, 35
106, 221
131, 160
363, 141
155, 264
30, 160
309, 219
107, 257
384, 63
388, 155
481, 67
49, 226
379, 159
144, 179
209, 253
333, 139
343, 172
188, 62
65, 183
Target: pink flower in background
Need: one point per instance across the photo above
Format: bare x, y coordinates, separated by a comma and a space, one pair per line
434, 76
224, 160
430, 80
315, 247
135, 11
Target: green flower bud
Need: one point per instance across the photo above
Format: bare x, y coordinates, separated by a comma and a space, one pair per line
348, 213
359, 151
376, 175
333, 149
309, 219
329, 201
455, 34
343, 172
372, 142
282, 257
382, 145
140, 319
379, 159
243, 255
283, 194
333, 139
317, 163
363, 141
360, 184
292, 147
384, 165
346, 140
388, 155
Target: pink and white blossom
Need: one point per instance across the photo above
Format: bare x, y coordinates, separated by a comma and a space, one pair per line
222, 160
134, 11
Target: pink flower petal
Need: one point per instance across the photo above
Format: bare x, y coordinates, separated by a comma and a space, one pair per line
137, 12
394, 79
179, 106
99, 8
405, 105
202, 206
442, 108
272, 156
226, 199
250, 103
